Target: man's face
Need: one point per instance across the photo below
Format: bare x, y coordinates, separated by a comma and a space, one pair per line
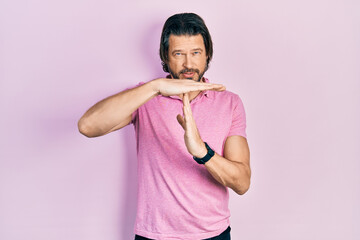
187, 57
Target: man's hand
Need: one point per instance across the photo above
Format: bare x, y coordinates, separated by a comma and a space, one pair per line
172, 87
193, 141
232, 170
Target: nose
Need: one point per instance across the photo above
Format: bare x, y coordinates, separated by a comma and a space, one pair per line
188, 61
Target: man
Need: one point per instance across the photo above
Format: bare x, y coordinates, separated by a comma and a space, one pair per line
191, 140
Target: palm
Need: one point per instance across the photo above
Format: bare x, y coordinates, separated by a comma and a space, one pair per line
193, 141
171, 87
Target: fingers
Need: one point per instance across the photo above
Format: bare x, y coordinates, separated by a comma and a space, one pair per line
186, 100
172, 87
192, 85
186, 107
181, 121
220, 88
211, 87
185, 121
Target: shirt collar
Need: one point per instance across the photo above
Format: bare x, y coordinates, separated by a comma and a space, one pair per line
207, 93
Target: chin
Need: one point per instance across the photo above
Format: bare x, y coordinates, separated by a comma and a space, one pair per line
195, 78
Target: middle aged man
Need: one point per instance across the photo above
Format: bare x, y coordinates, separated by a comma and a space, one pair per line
191, 140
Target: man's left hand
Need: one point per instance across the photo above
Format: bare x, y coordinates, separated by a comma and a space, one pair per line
232, 170
193, 141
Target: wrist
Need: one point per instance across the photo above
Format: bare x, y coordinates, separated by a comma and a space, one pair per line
155, 86
201, 152
209, 154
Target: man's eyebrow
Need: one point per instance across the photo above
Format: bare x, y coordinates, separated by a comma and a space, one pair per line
181, 50
177, 51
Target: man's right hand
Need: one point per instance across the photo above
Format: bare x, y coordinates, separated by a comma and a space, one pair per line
114, 112
172, 87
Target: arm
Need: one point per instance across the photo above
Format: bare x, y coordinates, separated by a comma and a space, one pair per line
232, 170
115, 111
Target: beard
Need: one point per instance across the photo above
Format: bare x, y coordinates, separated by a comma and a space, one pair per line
185, 70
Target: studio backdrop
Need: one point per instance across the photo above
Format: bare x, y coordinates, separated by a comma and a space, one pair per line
295, 65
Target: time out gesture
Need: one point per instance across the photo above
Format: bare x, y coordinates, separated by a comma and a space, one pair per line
114, 112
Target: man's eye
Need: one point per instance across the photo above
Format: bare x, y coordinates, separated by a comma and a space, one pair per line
195, 53
177, 54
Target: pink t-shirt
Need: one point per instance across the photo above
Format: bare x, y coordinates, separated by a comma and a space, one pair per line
177, 197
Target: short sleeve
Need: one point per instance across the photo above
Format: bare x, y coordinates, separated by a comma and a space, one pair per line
135, 114
238, 123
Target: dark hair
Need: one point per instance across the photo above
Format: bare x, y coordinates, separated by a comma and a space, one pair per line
184, 24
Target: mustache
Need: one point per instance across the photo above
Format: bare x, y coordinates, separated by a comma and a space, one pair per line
190, 70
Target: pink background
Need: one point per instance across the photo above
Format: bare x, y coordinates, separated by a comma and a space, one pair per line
295, 64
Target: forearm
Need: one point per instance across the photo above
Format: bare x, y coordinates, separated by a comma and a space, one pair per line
232, 174
115, 111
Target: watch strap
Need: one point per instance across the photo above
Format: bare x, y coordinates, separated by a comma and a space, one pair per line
210, 153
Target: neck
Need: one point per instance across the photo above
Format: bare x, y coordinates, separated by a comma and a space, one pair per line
193, 95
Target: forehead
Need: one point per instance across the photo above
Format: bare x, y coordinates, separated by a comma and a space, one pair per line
185, 42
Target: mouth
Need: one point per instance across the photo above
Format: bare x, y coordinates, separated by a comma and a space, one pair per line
188, 74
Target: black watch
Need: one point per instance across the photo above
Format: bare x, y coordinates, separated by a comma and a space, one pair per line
210, 154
